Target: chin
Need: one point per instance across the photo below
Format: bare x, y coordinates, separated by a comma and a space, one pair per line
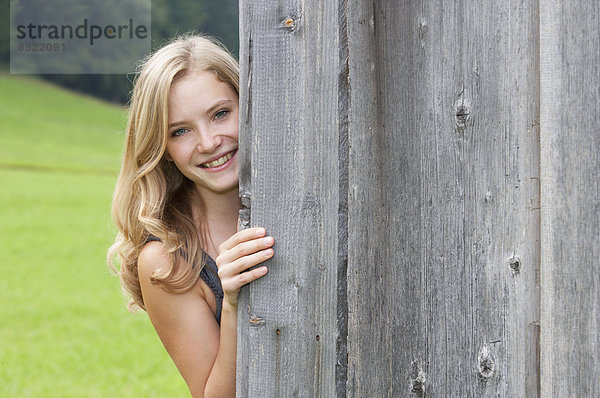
220, 190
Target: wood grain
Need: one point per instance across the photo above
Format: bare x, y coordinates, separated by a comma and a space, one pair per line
570, 141
444, 197
393, 151
288, 320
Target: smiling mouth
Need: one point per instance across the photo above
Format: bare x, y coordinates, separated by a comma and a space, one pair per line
218, 162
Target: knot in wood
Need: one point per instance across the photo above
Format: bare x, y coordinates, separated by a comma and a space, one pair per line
514, 264
418, 384
462, 113
289, 23
461, 117
488, 197
485, 363
417, 379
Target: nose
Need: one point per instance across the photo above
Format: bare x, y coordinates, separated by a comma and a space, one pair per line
207, 141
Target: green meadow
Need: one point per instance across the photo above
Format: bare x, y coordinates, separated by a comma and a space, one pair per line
64, 327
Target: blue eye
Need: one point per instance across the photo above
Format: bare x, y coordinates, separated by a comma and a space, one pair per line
221, 114
179, 132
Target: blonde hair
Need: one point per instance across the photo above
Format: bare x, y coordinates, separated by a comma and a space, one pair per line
152, 198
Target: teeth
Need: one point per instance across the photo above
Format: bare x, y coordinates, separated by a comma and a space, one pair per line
217, 162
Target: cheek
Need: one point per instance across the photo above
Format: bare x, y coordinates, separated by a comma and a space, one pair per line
177, 151
234, 128
234, 123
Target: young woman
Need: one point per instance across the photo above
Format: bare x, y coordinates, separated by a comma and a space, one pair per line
176, 208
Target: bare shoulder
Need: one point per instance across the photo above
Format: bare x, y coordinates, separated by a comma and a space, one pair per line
153, 258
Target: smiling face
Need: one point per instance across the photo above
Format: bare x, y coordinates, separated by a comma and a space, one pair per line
203, 131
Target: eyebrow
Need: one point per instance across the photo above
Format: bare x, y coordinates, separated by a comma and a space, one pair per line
215, 106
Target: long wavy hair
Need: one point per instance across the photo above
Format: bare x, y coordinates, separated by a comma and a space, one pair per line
152, 198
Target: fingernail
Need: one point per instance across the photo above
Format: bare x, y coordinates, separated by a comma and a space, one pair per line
263, 270
268, 240
260, 232
268, 253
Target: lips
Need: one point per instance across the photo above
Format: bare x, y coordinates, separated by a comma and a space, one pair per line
219, 161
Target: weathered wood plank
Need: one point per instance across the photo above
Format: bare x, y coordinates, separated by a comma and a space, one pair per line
441, 110
443, 198
570, 162
287, 330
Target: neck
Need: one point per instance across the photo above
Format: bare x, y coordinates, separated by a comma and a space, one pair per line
221, 212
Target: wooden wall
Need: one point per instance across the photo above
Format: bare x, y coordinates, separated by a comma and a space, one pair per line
393, 151
290, 173
570, 171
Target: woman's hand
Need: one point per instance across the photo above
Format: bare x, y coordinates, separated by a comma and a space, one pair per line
242, 251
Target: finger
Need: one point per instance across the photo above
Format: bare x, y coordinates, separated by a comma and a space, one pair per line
242, 236
244, 263
234, 284
246, 248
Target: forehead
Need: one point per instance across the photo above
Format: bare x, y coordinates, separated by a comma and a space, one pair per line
195, 92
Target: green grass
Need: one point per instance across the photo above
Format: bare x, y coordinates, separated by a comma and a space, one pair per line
44, 126
64, 328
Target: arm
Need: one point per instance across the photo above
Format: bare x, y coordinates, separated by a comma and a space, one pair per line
204, 354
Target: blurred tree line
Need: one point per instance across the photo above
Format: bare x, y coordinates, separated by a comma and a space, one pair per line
218, 18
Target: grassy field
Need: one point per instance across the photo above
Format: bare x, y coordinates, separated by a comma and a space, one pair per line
64, 328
